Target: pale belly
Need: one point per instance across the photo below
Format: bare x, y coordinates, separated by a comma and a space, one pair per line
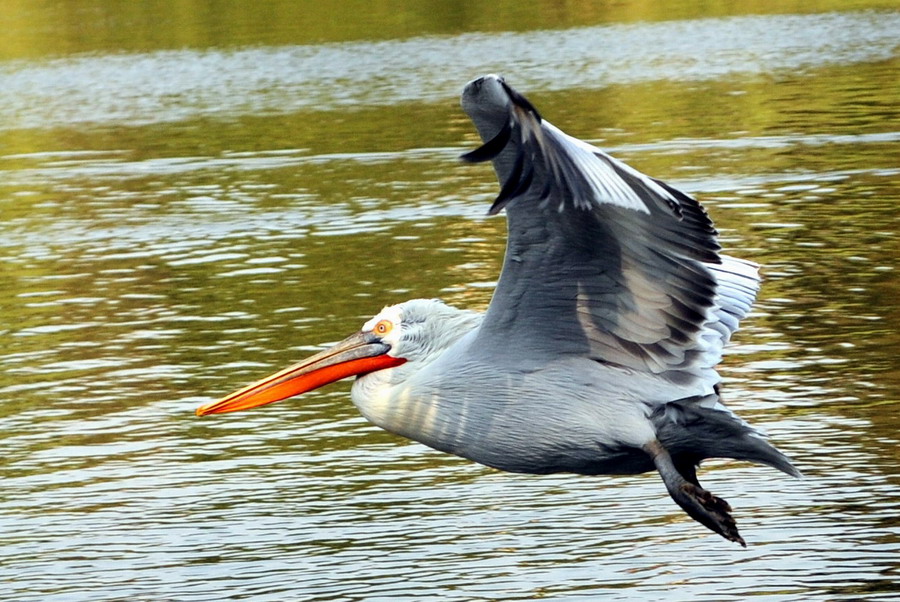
563, 417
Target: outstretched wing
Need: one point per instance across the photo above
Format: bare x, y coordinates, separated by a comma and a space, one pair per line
601, 260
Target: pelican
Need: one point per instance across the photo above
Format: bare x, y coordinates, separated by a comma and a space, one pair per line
598, 351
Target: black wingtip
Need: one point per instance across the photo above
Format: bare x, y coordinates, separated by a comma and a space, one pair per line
518, 182
522, 174
520, 101
491, 148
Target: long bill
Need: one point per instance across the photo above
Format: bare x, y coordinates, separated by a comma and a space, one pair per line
358, 354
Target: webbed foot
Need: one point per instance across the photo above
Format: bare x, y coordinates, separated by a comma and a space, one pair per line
701, 505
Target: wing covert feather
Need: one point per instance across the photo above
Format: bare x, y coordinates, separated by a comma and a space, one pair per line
601, 260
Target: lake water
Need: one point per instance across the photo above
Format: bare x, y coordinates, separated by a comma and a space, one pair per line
192, 199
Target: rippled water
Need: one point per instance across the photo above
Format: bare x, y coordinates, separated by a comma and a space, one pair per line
176, 223
177, 85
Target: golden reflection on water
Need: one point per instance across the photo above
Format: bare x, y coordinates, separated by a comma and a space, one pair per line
148, 268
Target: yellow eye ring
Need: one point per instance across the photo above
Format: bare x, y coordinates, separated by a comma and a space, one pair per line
383, 327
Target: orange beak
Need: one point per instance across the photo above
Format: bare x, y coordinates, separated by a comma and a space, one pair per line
358, 354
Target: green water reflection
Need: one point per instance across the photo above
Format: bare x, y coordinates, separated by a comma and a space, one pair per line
61, 28
148, 268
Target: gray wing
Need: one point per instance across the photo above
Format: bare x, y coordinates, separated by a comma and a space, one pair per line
601, 260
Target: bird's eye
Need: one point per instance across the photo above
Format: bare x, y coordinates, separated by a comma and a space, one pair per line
383, 327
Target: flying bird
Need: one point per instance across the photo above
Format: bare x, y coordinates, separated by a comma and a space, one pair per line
597, 353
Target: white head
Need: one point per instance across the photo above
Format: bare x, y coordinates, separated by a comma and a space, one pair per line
418, 332
390, 347
418, 329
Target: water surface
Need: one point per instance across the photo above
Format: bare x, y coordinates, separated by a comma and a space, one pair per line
180, 220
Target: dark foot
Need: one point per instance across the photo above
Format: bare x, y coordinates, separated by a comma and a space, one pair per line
701, 505
709, 510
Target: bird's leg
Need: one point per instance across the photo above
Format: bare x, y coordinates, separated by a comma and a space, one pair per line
707, 509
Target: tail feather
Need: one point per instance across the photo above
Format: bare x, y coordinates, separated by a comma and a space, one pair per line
694, 429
